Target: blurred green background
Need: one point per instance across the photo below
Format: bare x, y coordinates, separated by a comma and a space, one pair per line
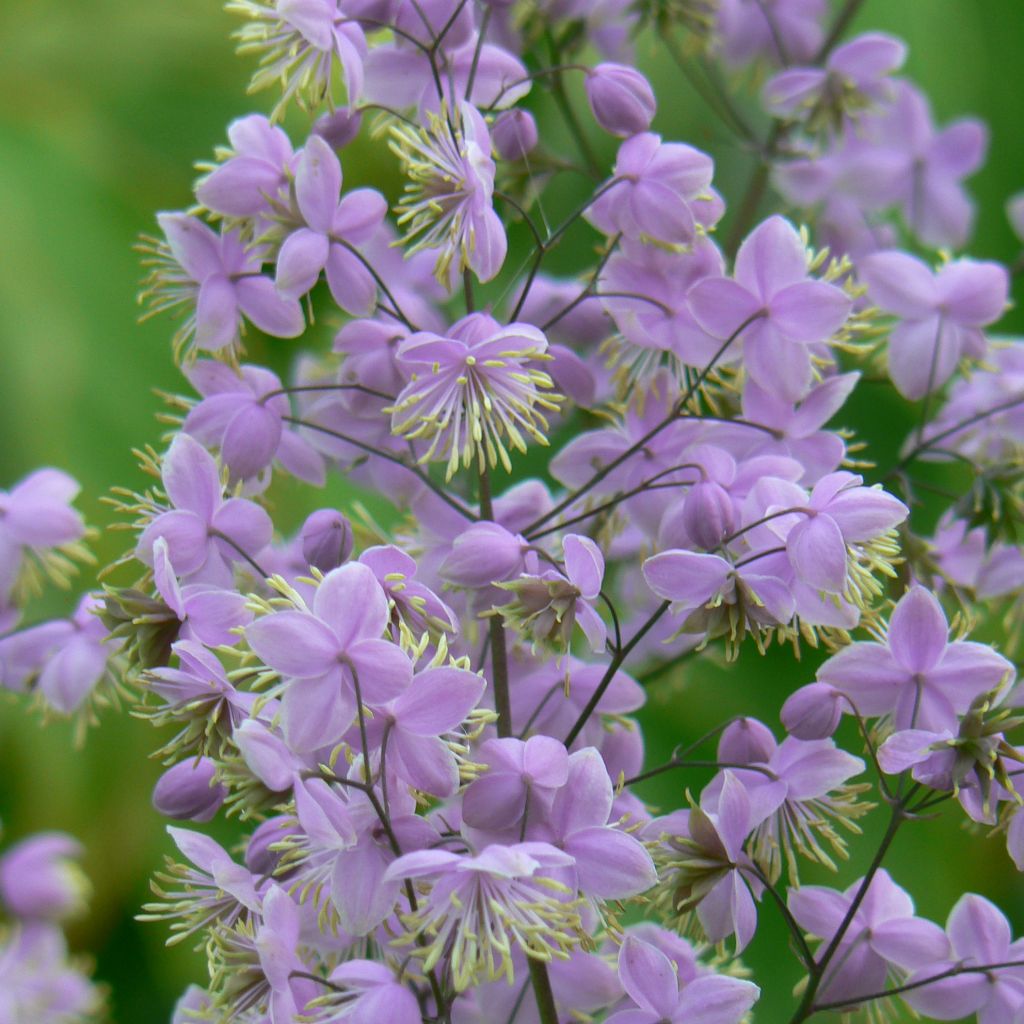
104, 106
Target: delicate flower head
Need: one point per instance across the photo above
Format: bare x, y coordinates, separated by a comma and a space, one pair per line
481, 907
448, 200
474, 392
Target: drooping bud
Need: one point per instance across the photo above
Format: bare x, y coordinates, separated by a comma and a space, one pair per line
39, 878
708, 515
339, 127
813, 712
326, 539
514, 134
186, 791
746, 741
484, 553
621, 99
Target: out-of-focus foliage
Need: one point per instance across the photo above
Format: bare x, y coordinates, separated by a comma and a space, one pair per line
104, 105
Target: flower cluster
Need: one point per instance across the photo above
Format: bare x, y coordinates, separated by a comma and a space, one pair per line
427, 718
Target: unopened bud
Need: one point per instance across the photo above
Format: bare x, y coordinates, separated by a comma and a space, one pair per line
187, 792
326, 539
621, 99
514, 134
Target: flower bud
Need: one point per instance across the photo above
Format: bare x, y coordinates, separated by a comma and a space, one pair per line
484, 553
746, 741
39, 879
514, 134
260, 859
621, 99
708, 515
339, 127
186, 791
813, 712
326, 539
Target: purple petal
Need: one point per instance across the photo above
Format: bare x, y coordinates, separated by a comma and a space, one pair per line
318, 184
425, 762
586, 798
351, 284
973, 294
810, 311
867, 673
302, 257
900, 284
545, 761
270, 312
190, 477
216, 314
817, 909
923, 355
817, 552
294, 644
716, 999
352, 603
316, 713
383, 668
910, 942
648, 976
250, 440
359, 215
246, 523
361, 893
686, 577
978, 929
772, 257
584, 564
918, 631
438, 700
720, 305
184, 533
194, 245
610, 864
494, 802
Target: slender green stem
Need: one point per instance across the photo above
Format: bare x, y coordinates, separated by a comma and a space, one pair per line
542, 990
499, 653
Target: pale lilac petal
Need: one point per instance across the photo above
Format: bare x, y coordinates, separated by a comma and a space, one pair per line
351, 284
648, 976
973, 294
868, 674
686, 577
716, 999
190, 477
922, 355
214, 614
968, 669
70, 675
316, 713
910, 942
546, 761
817, 909
384, 670
273, 314
959, 149
216, 314
771, 258
900, 284
194, 245
978, 929
720, 305
865, 512
609, 864
359, 215
817, 552
918, 631
352, 603
494, 801
318, 184
587, 797
776, 363
363, 905
584, 564
246, 523
425, 762
184, 534
300, 261
438, 700
293, 643
810, 311
250, 440
904, 749
950, 998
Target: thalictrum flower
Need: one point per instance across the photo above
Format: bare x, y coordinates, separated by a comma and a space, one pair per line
786, 309
917, 676
473, 392
334, 230
205, 535
332, 656
651, 982
941, 314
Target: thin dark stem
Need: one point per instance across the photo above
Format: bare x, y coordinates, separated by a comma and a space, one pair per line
301, 388
588, 291
791, 923
638, 446
952, 972
668, 766
499, 653
252, 561
390, 457
619, 657
396, 309
817, 972
542, 990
